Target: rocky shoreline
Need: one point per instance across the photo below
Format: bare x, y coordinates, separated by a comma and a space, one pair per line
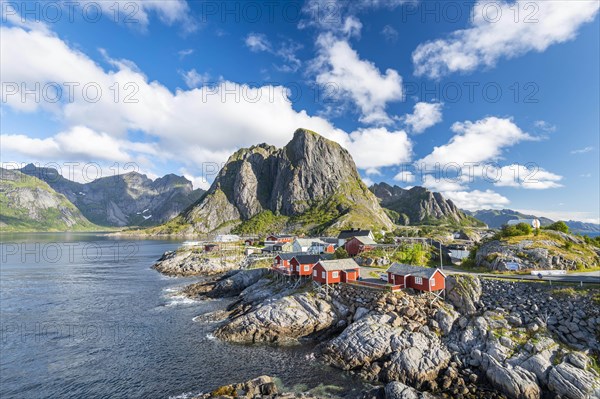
489, 339
189, 262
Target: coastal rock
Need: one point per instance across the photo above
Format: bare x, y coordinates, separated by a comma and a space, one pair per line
418, 358
192, 262
263, 387
360, 344
571, 382
445, 318
397, 390
516, 383
539, 365
463, 291
236, 283
283, 320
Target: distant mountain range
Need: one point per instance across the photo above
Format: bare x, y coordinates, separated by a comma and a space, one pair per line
29, 204
130, 199
496, 218
311, 185
419, 206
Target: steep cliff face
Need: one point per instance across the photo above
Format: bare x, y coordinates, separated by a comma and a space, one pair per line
311, 185
420, 206
130, 199
29, 204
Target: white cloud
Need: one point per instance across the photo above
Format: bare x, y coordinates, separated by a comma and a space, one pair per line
184, 53
368, 182
194, 79
378, 147
497, 32
257, 42
373, 172
476, 199
339, 68
524, 176
192, 127
582, 150
77, 143
442, 185
476, 142
286, 50
390, 34
424, 116
405, 177
545, 126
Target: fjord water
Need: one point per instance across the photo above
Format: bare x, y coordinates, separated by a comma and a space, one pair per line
84, 316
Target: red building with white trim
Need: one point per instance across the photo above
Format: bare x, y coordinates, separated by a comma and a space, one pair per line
357, 245
419, 278
336, 271
302, 265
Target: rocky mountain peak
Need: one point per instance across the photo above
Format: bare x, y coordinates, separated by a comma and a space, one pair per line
309, 174
418, 205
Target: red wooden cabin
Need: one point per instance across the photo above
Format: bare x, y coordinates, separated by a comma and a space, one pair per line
336, 271
418, 278
357, 245
302, 265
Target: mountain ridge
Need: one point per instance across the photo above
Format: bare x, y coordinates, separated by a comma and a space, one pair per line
419, 206
309, 185
30, 204
130, 199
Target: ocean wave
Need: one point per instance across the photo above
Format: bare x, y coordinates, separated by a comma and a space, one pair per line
182, 396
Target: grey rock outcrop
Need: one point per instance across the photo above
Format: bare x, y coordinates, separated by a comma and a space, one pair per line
281, 320
550, 253
418, 358
516, 383
309, 173
571, 382
190, 262
463, 292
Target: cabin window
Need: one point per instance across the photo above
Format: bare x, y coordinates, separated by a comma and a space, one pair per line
324, 275
335, 274
418, 280
315, 273
432, 282
306, 268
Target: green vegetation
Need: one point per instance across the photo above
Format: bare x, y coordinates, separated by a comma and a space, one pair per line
558, 226
521, 229
262, 223
415, 254
341, 253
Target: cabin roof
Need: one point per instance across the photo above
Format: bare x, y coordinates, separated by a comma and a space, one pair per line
365, 240
286, 256
307, 242
307, 259
339, 264
402, 269
344, 234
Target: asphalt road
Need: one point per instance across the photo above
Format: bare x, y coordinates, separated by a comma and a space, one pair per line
578, 277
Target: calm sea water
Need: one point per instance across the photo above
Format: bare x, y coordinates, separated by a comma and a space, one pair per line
84, 316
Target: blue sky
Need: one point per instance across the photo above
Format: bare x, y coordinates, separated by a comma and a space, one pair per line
495, 104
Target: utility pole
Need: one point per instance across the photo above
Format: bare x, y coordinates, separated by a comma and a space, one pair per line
441, 265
